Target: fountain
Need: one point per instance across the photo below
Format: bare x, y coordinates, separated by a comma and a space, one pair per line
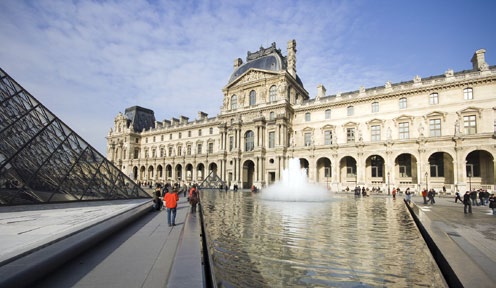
293, 234
294, 186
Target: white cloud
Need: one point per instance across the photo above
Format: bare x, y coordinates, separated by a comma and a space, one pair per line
88, 60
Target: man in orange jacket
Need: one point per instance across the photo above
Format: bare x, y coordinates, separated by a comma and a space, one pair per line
171, 199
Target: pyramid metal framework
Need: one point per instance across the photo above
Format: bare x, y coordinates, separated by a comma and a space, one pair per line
43, 160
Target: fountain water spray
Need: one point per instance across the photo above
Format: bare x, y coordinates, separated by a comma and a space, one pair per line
294, 186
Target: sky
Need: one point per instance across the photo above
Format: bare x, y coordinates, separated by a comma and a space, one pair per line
86, 61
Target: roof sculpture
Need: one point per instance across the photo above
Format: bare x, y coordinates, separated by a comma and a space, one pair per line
43, 160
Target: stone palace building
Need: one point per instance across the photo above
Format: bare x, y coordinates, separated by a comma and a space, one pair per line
430, 132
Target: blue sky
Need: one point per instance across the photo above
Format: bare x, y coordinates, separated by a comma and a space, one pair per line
88, 60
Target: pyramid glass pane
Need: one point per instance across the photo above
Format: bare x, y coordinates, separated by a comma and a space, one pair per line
43, 160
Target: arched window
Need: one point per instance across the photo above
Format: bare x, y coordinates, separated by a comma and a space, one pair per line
402, 103
234, 102
253, 97
249, 141
272, 93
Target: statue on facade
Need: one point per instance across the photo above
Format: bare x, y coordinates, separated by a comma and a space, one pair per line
421, 130
389, 134
457, 127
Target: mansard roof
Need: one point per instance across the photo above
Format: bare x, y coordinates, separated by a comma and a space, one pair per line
269, 59
141, 118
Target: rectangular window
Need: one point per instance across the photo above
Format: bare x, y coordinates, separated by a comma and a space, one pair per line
375, 107
189, 133
199, 132
350, 135
435, 127
210, 148
307, 117
402, 103
328, 114
327, 137
162, 152
211, 131
467, 94
188, 151
434, 99
179, 150
272, 139
170, 151
170, 136
154, 153
136, 153
350, 111
199, 149
469, 124
146, 153
180, 135
375, 133
404, 130
231, 143
308, 139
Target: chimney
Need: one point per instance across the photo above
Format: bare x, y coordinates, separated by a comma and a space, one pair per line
238, 62
478, 61
292, 58
321, 91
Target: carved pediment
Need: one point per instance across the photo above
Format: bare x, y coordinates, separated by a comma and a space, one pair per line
436, 114
328, 127
350, 124
375, 121
470, 110
403, 118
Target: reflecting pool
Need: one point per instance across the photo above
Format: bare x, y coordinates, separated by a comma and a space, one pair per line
342, 242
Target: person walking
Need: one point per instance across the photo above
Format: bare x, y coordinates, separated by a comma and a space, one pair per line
171, 199
408, 196
492, 203
467, 203
424, 195
473, 197
193, 198
184, 189
457, 197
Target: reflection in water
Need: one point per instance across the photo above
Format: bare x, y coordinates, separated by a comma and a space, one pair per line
346, 242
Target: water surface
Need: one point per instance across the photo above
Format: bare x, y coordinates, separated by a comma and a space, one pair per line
345, 242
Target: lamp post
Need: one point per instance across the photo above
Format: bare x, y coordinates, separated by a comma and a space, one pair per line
426, 183
389, 191
470, 181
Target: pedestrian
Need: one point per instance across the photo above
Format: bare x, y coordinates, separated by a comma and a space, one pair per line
424, 195
457, 197
492, 203
394, 193
193, 198
432, 196
473, 197
157, 202
481, 198
467, 203
408, 196
184, 189
171, 199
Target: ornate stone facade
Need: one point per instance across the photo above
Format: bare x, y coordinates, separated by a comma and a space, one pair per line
436, 132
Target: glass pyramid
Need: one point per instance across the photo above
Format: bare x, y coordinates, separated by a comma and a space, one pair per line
43, 160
